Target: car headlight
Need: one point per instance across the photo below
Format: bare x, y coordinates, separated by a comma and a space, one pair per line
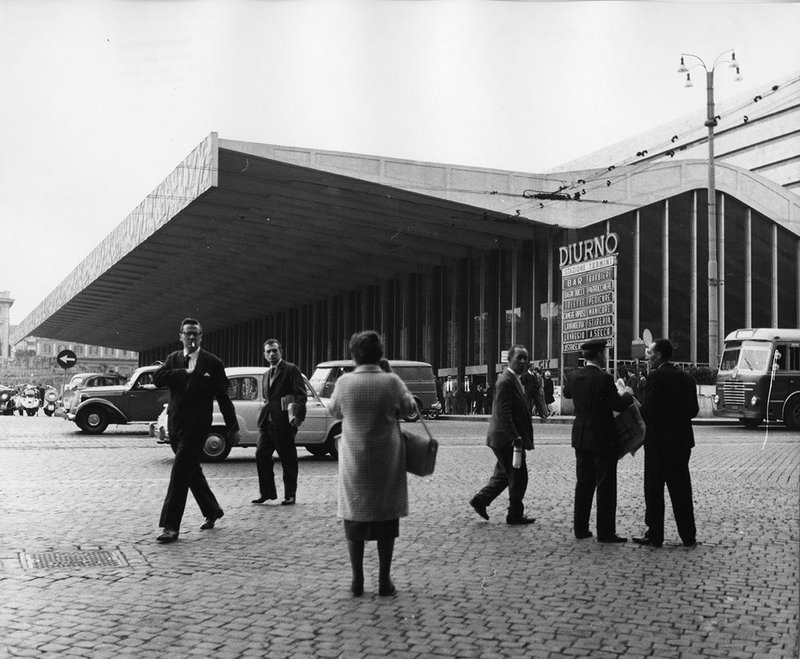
754, 401
716, 399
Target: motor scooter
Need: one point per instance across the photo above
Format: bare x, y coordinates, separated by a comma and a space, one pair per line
50, 398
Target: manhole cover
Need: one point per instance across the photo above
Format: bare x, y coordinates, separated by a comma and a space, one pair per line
59, 559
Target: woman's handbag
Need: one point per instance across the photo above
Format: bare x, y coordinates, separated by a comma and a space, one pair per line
420, 451
630, 429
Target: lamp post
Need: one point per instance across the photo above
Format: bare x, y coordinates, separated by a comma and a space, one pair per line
714, 320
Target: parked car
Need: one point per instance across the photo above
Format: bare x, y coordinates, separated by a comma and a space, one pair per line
318, 434
83, 380
138, 400
418, 377
7, 400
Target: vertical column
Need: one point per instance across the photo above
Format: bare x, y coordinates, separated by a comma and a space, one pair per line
549, 293
693, 281
797, 261
5, 324
774, 275
514, 270
534, 315
637, 274
482, 313
665, 273
748, 269
721, 265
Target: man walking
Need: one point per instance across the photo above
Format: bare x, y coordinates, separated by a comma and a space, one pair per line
510, 427
668, 407
194, 378
284, 393
594, 438
533, 388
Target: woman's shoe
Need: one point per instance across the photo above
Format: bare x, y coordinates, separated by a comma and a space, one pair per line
357, 588
387, 589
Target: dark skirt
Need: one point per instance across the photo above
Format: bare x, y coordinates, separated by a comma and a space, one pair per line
363, 531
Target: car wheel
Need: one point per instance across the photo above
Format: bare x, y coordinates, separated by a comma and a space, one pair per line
332, 443
317, 449
32, 412
750, 424
92, 420
411, 418
791, 416
216, 446
48, 412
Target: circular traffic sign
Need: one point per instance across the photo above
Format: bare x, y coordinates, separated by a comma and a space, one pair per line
66, 359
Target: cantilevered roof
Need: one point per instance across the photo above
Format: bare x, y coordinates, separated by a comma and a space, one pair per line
239, 230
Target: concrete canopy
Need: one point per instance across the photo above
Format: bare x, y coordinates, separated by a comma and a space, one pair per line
241, 230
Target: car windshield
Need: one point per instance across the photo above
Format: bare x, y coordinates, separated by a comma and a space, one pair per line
750, 356
318, 379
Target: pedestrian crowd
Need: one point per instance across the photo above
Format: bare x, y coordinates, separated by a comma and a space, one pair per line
370, 400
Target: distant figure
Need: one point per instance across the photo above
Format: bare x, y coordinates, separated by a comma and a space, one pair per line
373, 492
510, 427
534, 392
549, 391
450, 388
669, 405
195, 378
283, 387
594, 438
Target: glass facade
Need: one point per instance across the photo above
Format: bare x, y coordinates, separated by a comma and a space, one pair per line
460, 315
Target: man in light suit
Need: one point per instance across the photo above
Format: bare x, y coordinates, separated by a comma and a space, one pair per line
194, 378
594, 438
668, 407
509, 426
282, 385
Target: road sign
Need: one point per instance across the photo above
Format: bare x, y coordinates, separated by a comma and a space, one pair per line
66, 359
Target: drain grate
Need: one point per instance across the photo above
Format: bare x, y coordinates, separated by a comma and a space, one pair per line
69, 559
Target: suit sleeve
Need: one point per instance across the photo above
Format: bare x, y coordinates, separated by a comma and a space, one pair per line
503, 405
300, 396
617, 402
169, 376
221, 394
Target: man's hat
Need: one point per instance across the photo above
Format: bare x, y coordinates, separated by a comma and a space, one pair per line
595, 345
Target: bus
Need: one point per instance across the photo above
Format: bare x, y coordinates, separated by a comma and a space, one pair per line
759, 377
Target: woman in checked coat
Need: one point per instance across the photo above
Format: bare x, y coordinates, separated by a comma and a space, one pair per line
372, 468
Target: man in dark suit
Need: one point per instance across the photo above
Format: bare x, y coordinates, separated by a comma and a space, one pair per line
194, 378
283, 387
594, 438
668, 407
534, 392
509, 427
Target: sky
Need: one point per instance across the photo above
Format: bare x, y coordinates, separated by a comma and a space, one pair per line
101, 99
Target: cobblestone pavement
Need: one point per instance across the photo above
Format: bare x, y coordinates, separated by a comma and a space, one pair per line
81, 574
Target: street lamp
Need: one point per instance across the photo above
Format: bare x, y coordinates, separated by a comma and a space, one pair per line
714, 338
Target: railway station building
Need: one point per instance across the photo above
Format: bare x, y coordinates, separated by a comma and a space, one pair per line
453, 264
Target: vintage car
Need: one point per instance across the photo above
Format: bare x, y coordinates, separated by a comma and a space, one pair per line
318, 434
7, 400
83, 380
136, 401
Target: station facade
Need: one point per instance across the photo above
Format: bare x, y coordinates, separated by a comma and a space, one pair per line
451, 264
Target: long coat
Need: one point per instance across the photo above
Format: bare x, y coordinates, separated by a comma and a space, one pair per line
596, 399
511, 415
668, 407
372, 468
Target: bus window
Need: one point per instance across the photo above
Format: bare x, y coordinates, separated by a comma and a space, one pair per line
754, 359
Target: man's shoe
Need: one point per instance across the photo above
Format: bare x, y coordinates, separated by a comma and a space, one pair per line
387, 589
612, 539
479, 508
690, 545
288, 501
583, 535
263, 499
520, 520
210, 521
647, 542
168, 535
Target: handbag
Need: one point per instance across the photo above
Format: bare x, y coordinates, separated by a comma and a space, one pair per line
420, 451
630, 429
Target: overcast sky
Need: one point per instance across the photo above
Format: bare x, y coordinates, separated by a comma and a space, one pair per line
100, 100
